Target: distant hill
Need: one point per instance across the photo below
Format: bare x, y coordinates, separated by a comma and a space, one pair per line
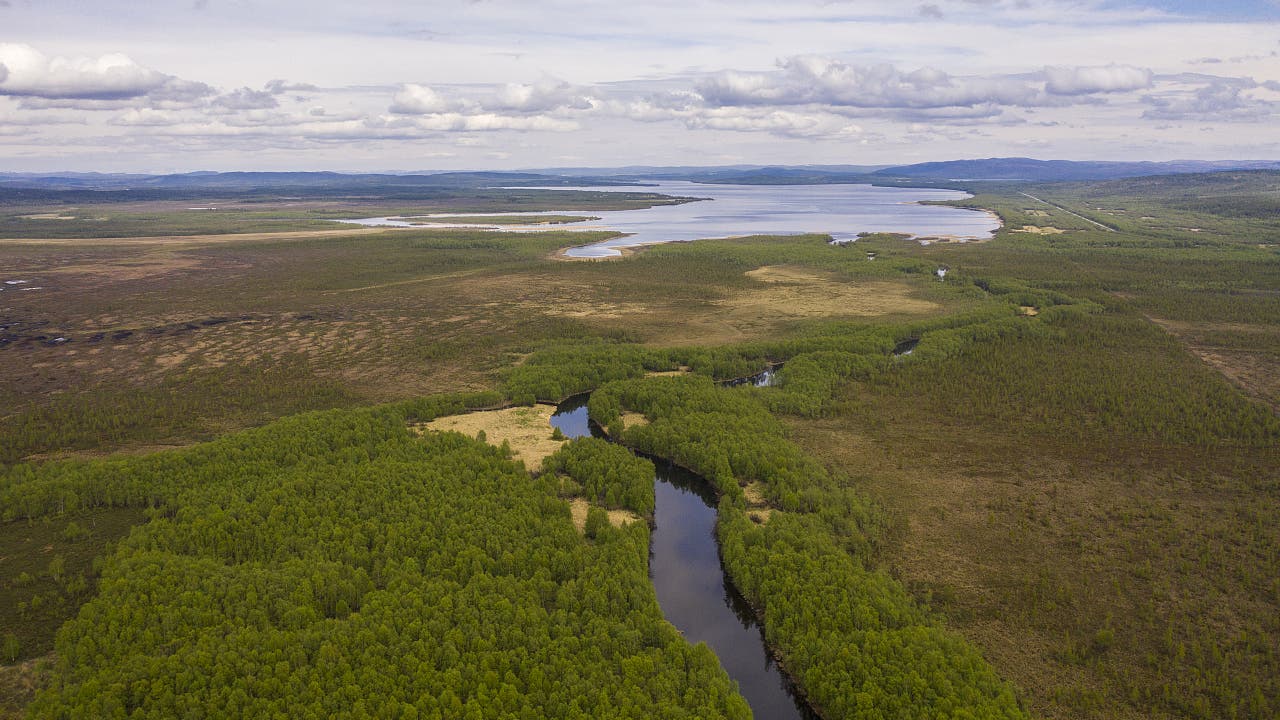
933, 173
1028, 169
249, 181
684, 172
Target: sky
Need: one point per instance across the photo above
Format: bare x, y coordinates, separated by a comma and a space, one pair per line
388, 86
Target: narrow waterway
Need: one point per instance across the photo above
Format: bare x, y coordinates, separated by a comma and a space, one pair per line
692, 588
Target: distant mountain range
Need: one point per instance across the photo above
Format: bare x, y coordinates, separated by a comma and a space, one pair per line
953, 171
240, 181
1063, 170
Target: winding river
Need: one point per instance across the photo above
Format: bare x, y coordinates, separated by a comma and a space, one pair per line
841, 211
693, 590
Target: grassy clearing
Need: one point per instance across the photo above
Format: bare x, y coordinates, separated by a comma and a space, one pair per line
525, 430
581, 508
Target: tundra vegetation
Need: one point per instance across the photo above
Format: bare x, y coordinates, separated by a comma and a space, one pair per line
1060, 504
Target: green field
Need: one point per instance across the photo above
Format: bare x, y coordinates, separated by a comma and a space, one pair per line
1061, 504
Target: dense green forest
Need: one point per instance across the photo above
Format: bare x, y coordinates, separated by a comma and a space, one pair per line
334, 565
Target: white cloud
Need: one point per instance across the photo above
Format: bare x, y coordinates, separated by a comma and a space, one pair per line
1103, 79
540, 97
783, 123
510, 107
146, 117
1221, 100
246, 99
414, 99
690, 79
815, 80
26, 72
493, 121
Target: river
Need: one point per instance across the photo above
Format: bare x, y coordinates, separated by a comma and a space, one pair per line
841, 211
692, 588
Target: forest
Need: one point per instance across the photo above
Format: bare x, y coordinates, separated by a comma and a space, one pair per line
334, 565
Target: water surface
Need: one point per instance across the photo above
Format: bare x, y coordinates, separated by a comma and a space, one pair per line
841, 211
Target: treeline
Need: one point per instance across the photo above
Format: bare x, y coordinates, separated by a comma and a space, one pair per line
30, 490
555, 373
335, 565
856, 641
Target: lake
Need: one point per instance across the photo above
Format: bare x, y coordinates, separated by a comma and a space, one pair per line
841, 211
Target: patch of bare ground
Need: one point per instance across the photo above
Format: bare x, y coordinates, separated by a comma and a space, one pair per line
634, 419
754, 493
578, 508
1256, 372
1038, 230
19, 683
601, 310
803, 293
682, 370
1250, 369
757, 507
527, 430
147, 266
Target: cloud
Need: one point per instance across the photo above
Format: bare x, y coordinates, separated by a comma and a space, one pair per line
414, 99
1221, 100
540, 97
511, 107
805, 80
1099, 79
493, 121
278, 87
246, 99
783, 123
689, 109
28, 73
146, 117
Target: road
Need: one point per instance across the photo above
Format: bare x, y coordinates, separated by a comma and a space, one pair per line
1108, 228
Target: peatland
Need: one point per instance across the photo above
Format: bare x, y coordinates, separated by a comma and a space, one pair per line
1061, 503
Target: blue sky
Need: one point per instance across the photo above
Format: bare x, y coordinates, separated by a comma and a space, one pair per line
453, 84
1220, 9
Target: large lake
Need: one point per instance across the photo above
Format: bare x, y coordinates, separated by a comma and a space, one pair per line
842, 211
